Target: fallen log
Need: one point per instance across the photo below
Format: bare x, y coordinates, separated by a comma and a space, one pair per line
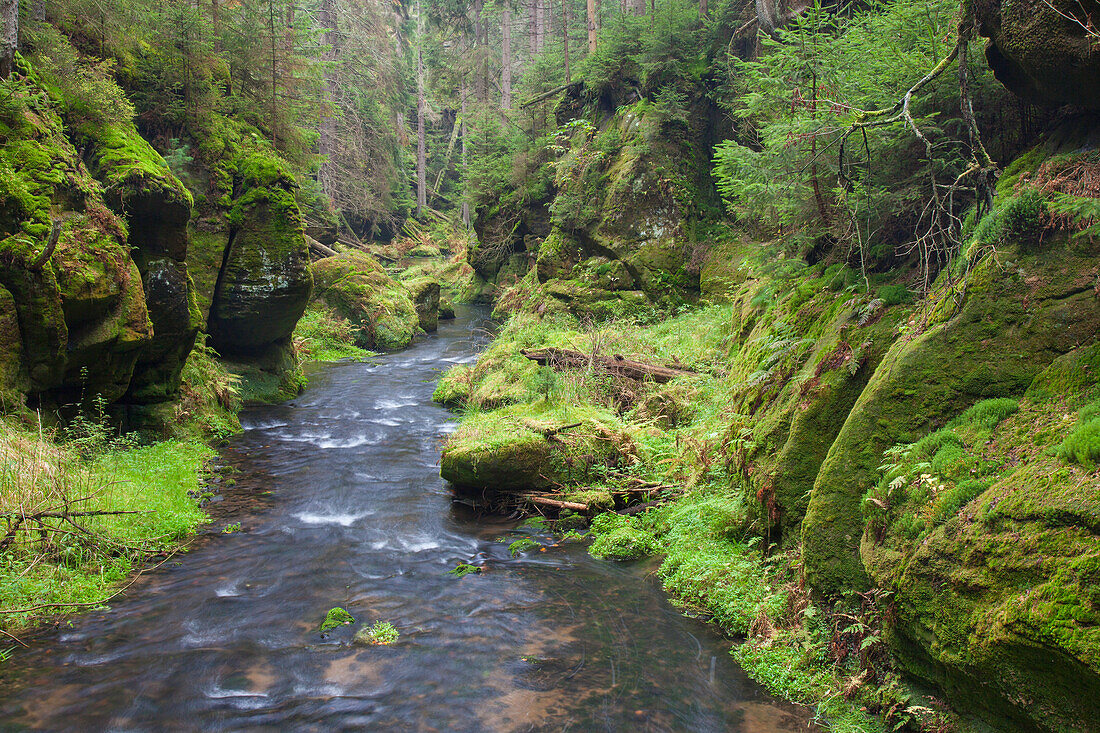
552, 92
555, 503
319, 249
561, 359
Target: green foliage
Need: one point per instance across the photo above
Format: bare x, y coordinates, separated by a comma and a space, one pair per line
800, 95
382, 633
85, 87
156, 483
1082, 445
231, 528
335, 618
322, 335
623, 543
463, 569
894, 295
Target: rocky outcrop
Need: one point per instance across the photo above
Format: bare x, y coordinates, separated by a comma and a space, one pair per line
356, 287
1044, 50
80, 313
157, 208
425, 295
265, 281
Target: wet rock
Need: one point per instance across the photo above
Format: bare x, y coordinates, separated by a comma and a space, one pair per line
265, 281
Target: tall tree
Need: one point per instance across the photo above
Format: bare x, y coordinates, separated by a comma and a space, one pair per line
506, 56
326, 143
421, 143
9, 35
592, 27
565, 37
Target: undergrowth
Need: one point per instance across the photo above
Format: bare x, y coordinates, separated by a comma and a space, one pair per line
75, 522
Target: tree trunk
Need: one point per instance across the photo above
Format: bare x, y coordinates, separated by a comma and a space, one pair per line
532, 28
565, 37
326, 144
591, 26
215, 23
480, 82
421, 147
274, 73
506, 57
465, 194
635, 7
40, 11
9, 36
703, 8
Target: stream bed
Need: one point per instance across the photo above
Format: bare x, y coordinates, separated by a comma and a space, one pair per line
340, 504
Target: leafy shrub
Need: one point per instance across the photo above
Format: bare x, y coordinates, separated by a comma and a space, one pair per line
624, 543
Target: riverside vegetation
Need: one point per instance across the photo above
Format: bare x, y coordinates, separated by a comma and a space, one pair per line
800, 298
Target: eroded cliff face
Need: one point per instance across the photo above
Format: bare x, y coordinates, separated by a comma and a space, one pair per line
74, 298
96, 300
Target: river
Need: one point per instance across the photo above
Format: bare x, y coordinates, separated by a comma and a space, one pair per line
340, 504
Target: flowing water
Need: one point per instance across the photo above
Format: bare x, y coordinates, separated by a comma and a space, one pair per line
340, 502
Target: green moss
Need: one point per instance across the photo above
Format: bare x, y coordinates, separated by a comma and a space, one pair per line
382, 633
515, 448
356, 287
335, 618
454, 386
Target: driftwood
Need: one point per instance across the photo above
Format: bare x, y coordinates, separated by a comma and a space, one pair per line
617, 365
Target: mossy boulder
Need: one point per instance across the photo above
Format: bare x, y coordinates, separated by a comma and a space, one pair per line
358, 289
265, 280
1014, 321
517, 447
14, 381
1044, 51
425, 296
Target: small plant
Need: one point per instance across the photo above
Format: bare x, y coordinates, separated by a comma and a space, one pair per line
463, 569
231, 528
383, 633
336, 617
520, 546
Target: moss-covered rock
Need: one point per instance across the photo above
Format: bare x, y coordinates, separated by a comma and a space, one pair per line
157, 208
265, 281
425, 296
1044, 51
1014, 322
994, 578
518, 447
13, 376
356, 287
